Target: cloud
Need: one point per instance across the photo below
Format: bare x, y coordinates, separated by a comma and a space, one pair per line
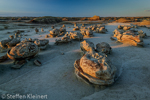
147, 10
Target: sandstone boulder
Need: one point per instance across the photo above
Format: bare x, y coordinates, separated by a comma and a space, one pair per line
62, 31
13, 42
134, 40
42, 44
75, 36
95, 68
64, 39
54, 33
23, 51
117, 32
142, 34
86, 46
101, 30
126, 27
87, 33
120, 27
76, 28
4, 42
103, 47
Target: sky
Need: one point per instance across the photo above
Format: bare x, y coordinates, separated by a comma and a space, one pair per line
75, 8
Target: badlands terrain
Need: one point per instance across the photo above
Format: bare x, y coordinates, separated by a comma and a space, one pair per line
56, 76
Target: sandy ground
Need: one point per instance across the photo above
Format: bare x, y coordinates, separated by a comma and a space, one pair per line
56, 78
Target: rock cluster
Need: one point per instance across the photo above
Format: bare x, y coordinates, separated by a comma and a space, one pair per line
75, 36
94, 66
101, 30
124, 35
87, 33
54, 32
102, 47
76, 28
57, 32
8, 43
64, 39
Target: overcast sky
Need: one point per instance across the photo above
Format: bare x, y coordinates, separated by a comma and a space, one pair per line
75, 8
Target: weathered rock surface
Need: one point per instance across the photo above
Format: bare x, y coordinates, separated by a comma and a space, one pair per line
126, 27
19, 63
3, 58
87, 33
117, 32
75, 36
62, 31
103, 47
42, 44
142, 34
23, 50
64, 39
76, 28
13, 43
134, 40
37, 62
54, 33
95, 68
120, 27
4, 42
86, 46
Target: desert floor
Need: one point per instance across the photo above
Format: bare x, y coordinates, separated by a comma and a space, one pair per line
56, 78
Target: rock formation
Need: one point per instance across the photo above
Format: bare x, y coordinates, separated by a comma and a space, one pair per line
42, 44
95, 68
87, 33
23, 51
86, 46
54, 33
75, 36
101, 30
64, 39
142, 34
103, 47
